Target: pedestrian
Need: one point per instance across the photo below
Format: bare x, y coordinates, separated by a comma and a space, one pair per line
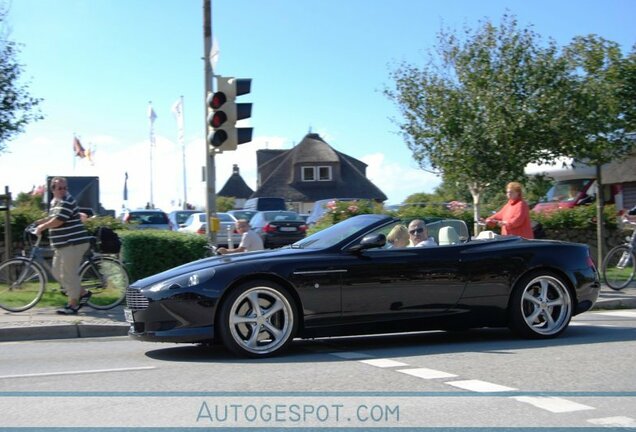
514, 216
250, 241
69, 240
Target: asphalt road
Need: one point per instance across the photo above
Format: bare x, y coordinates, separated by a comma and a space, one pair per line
480, 378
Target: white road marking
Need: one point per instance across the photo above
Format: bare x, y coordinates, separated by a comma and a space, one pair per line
426, 373
619, 313
590, 324
480, 386
77, 372
553, 404
383, 363
350, 355
614, 422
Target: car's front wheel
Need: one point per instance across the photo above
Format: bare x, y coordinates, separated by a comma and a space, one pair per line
541, 306
258, 319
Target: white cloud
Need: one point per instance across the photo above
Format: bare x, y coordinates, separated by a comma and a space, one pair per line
396, 180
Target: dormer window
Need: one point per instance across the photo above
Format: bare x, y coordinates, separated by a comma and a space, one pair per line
316, 173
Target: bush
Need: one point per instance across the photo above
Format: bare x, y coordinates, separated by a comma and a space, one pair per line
337, 211
579, 217
147, 252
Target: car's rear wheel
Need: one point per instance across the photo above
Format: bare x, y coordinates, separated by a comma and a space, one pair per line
541, 306
258, 319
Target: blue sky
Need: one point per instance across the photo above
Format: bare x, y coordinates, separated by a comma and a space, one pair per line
315, 65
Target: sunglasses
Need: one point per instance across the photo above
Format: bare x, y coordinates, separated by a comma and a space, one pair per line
416, 230
61, 188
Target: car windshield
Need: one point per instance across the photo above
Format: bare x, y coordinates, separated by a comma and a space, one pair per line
181, 217
568, 190
338, 232
157, 218
243, 214
224, 217
281, 216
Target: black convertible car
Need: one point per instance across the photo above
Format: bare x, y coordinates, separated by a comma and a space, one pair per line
347, 280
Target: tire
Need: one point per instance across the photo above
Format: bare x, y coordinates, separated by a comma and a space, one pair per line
541, 306
618, 267
107, 279
22, 284
258, 319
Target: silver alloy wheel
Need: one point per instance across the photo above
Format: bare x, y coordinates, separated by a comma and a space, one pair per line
546, 305
261, 320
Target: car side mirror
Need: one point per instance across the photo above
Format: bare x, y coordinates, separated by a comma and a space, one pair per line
369, 242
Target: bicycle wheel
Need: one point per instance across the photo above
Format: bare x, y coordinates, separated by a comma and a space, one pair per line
618, 267
107, 279
22, 284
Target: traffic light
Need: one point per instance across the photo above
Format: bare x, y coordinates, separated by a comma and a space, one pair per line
225, 136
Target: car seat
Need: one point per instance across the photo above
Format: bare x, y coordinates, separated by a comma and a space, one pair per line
448, 236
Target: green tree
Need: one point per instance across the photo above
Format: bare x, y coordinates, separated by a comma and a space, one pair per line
17, 107
491, 103
224, 204
600, 115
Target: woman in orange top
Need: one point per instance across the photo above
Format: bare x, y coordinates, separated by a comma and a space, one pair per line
514, 217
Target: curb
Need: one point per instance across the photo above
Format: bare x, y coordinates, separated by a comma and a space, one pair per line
64, 331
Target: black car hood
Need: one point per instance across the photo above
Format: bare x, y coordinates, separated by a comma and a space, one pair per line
215, 262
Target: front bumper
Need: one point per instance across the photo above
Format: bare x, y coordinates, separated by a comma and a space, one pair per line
184, 318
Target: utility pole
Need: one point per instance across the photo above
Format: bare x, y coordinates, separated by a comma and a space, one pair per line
210, 171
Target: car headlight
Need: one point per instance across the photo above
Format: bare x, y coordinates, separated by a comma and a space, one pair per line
184, 281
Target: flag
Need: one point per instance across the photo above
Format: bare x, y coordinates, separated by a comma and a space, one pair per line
152, 115
126, 186
177, 110
78, 149
90, 154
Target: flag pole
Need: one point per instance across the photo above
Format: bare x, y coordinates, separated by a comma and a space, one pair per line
181, 137
151, 116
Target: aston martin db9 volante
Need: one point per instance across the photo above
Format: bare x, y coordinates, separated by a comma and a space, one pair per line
348, 280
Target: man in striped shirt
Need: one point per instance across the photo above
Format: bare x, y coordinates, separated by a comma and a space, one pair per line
69, 240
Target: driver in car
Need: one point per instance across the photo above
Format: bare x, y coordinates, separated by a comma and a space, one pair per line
418, 234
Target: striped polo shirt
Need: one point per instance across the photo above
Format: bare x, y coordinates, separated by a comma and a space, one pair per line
72, 231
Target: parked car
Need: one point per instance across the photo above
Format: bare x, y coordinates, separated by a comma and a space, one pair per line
278, 228
242, 214
146, 219
344, 280
196, 223
178, 217
265, 203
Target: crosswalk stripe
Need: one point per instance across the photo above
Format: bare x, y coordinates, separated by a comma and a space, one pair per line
426, 373
383, 363
348, 355
479, 386
553, 404
614, 422
619, 313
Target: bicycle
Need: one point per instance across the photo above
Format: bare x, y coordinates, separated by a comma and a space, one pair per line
618, 266
23, 279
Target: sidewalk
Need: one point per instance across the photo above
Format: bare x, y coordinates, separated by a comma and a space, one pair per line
44, 323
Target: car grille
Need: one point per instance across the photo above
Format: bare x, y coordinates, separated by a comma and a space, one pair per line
135, 299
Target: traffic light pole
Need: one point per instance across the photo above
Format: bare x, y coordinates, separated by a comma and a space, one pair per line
210, 170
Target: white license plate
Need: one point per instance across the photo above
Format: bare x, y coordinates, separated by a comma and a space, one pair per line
129, 316
287, 228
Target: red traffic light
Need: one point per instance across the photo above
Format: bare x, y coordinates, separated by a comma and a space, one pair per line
218, 119
217, 100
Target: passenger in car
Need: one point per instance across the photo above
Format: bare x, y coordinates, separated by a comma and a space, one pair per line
418, 234
398, 237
